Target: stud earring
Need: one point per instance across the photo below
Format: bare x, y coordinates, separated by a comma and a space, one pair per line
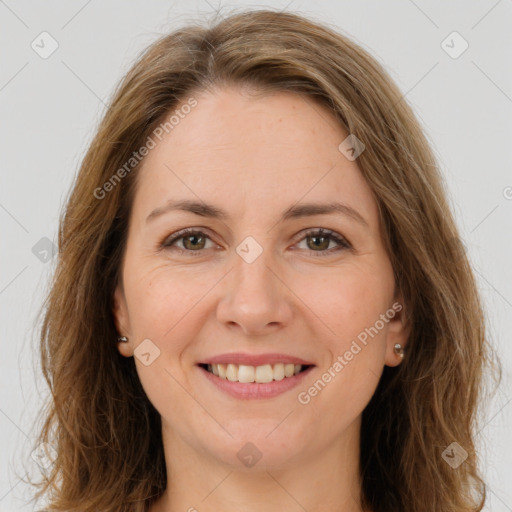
399, 350
122, 339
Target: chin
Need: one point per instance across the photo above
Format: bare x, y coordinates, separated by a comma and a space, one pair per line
258, 448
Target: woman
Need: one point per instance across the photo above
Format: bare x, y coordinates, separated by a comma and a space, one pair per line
261, 301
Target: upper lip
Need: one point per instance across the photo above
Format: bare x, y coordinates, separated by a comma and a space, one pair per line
255, 359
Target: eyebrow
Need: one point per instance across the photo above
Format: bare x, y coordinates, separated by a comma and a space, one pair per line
293, 212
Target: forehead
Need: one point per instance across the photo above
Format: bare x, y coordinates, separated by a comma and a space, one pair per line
253, 155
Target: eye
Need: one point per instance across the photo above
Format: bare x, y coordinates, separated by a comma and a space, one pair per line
321, 239
194, 240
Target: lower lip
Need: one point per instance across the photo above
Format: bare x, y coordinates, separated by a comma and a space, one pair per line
254, 390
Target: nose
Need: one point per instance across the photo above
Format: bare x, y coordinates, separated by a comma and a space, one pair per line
255, 297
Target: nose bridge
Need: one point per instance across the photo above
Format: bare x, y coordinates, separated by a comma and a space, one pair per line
253, 278
252, 266
254, 296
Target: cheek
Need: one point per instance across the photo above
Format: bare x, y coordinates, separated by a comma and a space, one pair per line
164, 308
349, 307
348, 301
163, 302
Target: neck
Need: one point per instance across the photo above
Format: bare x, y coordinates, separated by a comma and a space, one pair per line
327, 481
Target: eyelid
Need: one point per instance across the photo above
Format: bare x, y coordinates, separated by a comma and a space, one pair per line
343, 243
182, 233
337, 237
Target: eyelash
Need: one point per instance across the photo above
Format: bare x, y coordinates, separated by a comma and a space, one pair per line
321, 232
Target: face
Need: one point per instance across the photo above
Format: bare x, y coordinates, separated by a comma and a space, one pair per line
262, 282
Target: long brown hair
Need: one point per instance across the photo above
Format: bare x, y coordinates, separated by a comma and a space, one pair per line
105, 432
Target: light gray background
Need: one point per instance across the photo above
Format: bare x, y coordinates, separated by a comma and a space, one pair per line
49, 109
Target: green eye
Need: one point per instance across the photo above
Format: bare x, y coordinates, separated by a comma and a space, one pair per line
194, 241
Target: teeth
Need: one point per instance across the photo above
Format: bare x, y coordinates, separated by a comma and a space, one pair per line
264, 373
221, 369
259, 374
279, 371
232, 372
245, 373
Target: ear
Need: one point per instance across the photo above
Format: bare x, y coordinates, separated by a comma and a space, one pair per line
122, 321
398, 332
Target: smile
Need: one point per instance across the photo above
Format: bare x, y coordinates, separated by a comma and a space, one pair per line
267, 377
259, 374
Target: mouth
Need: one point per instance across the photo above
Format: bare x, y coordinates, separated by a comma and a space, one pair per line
261, 374
246, 376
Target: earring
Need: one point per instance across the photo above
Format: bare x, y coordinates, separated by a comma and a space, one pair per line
122, 339
399, 350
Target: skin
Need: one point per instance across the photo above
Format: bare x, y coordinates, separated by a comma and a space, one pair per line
255, 157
